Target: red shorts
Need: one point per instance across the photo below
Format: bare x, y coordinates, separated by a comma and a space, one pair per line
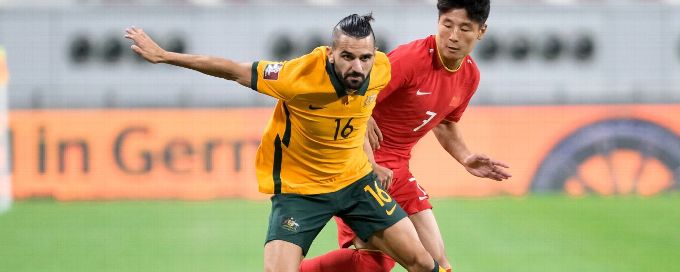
408, 194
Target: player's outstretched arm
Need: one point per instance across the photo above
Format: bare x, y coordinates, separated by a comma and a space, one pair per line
148, 49
480, 165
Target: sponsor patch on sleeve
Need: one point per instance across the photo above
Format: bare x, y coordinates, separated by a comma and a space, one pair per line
271, 71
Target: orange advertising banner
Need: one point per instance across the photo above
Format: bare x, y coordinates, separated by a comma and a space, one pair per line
135, 154
624, 149
207, 154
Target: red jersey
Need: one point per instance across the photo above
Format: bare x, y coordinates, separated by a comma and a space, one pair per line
421, 93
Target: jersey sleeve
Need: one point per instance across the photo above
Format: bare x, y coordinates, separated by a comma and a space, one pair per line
278, 79
458, 112
400, 73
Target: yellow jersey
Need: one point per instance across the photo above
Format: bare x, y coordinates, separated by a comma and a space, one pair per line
313, 143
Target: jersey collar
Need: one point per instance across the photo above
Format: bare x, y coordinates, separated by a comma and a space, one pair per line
337, 84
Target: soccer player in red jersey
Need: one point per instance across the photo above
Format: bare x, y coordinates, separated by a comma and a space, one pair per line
433, 80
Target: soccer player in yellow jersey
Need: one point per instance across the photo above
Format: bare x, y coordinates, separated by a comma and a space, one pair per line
312, 153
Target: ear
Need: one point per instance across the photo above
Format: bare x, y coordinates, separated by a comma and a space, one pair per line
482, 31
329, 54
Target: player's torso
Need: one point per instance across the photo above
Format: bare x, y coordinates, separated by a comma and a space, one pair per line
330, 132
330, 121
321, 133
322, 141
409, 113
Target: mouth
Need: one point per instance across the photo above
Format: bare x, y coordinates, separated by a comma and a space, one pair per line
453, 49
354, 77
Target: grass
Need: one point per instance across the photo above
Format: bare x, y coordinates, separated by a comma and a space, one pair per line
536, 233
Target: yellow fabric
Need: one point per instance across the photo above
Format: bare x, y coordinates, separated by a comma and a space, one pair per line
321, 153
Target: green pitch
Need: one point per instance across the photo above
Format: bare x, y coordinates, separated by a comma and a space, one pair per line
538, 233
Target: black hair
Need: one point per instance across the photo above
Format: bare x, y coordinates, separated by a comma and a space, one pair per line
477, 10
354, 26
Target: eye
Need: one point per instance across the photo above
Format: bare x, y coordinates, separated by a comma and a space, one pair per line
365, 58
347, 57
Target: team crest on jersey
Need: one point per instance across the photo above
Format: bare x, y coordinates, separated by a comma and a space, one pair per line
370, 100
271, 71
290, 224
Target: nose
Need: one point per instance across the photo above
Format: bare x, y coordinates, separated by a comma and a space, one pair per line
356, 66
454, 34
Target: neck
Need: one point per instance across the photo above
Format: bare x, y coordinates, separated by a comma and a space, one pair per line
451, 65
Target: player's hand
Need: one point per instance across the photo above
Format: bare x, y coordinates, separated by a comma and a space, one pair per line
384, 175
484, 167
374, 134
144, 46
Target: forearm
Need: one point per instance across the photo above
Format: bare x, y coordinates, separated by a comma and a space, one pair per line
451, 139
214, 66
369, 151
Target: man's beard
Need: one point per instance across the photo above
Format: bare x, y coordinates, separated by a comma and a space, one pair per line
353, 84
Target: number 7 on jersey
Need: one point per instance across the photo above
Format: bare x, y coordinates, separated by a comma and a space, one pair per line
431, 114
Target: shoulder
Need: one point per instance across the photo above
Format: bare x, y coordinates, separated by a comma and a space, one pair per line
315, 58
381, 72
381, 61
304, 66
471, 73
413, 56
472, 67
414, 48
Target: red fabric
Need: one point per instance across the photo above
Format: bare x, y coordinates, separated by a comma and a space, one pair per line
408, 194
421, 89
345, 234
348, 260
405, 189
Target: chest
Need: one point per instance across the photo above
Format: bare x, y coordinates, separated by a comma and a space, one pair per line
437, 91
320, 105
331, 117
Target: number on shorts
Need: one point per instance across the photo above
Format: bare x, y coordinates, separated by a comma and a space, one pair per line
413, 179
379, 194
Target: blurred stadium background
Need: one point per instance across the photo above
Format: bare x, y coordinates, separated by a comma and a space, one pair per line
118, 165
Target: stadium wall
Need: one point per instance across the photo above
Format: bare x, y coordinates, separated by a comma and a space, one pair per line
532, 54
208, 154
